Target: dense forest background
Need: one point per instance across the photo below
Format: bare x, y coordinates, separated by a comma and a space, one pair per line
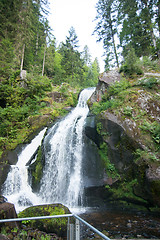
32, 65
123, 25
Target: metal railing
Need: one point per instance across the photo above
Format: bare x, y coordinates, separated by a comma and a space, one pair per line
73, 230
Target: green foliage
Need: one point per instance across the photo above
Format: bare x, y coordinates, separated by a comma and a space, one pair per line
150, 64
153, 128
6, 58
145, 155
131, 65
45, 237
148, 82
37, 84
109, 167
128, 111
106, 29
117, 87
125, 189
57, 224
110, 103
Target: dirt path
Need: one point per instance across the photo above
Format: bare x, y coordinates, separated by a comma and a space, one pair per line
152, 74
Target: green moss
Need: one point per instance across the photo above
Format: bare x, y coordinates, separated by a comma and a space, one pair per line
109, 167
145, 155
37, 170
55, 225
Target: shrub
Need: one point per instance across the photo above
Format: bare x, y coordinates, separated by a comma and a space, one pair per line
149, 64
148, 82
131, 65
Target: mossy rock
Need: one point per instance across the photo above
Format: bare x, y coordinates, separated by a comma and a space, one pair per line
36, 170
55, 225
4, 169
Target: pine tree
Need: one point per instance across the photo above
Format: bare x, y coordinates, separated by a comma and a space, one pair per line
107, 27
86, 56
138, 20
71, 57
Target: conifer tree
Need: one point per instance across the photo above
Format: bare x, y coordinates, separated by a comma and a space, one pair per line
107, 27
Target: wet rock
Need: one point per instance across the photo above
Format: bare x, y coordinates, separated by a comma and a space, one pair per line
7, 211
3, 199
11, 157
4, 169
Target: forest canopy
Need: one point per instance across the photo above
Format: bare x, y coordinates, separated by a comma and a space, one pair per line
27, 43
128, 24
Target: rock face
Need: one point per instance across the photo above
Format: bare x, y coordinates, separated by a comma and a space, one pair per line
130, 126
105, 80
4, 169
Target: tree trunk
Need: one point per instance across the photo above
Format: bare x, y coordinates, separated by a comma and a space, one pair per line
114, 45
22, 57
44, 59
158, 17
37, 45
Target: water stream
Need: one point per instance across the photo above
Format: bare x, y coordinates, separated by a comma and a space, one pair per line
64, 151
63, 147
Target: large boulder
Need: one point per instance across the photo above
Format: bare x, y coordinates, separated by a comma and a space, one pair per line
130, 134
105, 80
7, 211
55, 225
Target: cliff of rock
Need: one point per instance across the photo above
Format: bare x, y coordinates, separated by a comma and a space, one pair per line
128, 129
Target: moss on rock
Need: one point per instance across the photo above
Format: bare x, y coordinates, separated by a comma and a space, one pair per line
128, 122
36, 170
54, 225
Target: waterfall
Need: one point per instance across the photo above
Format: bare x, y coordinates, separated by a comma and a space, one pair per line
62, 179
16, 187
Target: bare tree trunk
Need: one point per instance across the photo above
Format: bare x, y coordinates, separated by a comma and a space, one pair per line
113, 42
37, 45
44, 59
22, 57
158, 16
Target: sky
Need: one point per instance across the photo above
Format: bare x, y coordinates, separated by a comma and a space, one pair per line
80, 14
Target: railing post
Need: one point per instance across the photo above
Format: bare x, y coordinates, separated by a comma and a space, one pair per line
77, 228
68, 228
71, 231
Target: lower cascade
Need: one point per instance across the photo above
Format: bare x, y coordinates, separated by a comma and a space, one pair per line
64, 178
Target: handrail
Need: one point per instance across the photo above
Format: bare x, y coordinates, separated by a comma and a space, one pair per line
57, 216
93, 228
35, 218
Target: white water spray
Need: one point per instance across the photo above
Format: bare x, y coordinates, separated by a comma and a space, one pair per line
62, 179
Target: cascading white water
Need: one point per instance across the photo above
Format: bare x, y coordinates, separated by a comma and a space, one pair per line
63, 148
16, 187
62, 179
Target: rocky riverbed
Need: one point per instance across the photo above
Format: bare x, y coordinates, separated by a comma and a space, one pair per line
119, 224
